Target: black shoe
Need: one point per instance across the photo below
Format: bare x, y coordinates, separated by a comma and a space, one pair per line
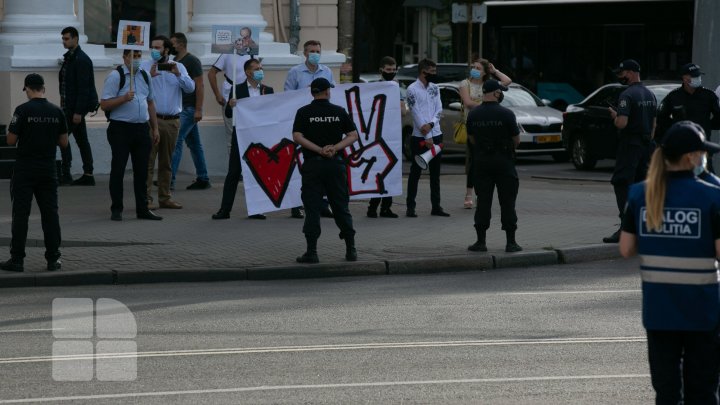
308, 257
256, 216
221, 214
84, 180
65, 180
54, 265
351, 254
478, 247
116, 216
149, 215
614, 238
297, 213
199, 185
388, 214
12, 265
371, 213
411, 213
512, 247
438, 212
327, 213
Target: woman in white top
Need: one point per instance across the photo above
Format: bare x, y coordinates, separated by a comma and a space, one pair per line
471, 95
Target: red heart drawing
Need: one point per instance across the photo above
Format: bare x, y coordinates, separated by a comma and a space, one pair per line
272, 168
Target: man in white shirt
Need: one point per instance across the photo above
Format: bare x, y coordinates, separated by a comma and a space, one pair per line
169, 80
423, 101
225, 64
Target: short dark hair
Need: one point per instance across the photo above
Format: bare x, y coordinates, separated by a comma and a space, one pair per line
311, 42
166, 41
387, 60
424, 64
249, 62
70, 30
127, 51
180, 38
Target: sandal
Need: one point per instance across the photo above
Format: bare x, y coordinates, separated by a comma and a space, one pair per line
468, 204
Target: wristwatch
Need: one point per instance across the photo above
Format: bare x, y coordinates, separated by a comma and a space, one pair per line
432, 125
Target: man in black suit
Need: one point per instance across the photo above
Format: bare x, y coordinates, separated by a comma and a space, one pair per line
252, 87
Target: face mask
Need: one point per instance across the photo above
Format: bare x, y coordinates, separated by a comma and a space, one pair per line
258, 75
155, 55
431, 77
313, 58
695, 82
387, 76
501, 97
701, 168
475, 74
136, 64
623, 80
173, 51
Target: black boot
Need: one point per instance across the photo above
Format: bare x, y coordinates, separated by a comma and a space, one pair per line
310, 255
511, 246
479, 246
14, 264
350, 252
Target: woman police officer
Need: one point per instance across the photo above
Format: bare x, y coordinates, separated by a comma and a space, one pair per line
672, 220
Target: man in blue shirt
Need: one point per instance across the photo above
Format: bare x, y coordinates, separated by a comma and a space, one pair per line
130, 108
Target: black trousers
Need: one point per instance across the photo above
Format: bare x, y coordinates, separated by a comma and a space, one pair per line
233, 176
684, 366
129, 140
631, 165
384, 202
416, 171
325, 177
495, 170
79, 131
39, 180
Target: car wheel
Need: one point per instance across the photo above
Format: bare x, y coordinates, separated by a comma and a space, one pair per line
406, 134
560, 157
581, 157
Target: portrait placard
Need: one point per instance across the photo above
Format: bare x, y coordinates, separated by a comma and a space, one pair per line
133, 35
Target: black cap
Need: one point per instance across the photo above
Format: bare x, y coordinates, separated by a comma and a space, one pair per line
34, 80
628, 64
691, 69
319, 85
685, 137
491, 85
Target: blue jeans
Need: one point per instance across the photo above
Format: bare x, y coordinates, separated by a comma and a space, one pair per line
189, 134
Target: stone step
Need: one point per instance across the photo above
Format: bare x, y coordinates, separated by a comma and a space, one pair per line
8, 153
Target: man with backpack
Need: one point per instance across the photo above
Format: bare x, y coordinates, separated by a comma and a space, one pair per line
127, 100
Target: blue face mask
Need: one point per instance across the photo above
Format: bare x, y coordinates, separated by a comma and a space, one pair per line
313, 58
136, 64
701, 168
475, 74
155, 55
258, 75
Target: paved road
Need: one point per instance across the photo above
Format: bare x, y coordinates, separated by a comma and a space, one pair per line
545, 335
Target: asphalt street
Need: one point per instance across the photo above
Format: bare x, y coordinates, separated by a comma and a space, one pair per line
564, 334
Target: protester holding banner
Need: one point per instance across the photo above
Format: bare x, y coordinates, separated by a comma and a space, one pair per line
130, 108
252, 87
319, 128
230, 64
423, 101
169, 81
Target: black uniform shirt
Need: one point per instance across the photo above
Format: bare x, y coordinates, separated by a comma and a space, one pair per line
38, 125
493, 127
701, 107
639, 105
322, 123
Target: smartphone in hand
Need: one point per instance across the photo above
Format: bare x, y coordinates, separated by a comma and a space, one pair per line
164, 66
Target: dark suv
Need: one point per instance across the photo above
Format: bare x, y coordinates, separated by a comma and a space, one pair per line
588, 132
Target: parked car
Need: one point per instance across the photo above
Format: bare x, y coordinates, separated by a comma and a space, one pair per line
588, 131
539, 124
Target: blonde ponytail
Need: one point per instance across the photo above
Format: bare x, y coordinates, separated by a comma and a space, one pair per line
655, 188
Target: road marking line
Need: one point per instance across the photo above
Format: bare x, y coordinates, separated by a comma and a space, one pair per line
572, 292
27, 330
324, 386
319, 348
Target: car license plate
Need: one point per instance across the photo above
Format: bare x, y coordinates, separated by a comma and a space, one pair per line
547, 138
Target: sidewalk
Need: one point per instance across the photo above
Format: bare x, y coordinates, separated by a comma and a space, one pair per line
559, 221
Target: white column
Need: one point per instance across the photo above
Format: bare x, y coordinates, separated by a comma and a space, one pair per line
207, 13
31, 36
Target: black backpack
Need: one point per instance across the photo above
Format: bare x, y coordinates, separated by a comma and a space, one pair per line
122, 83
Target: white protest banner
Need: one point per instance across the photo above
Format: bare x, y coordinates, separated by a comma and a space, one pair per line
134, 35
271, 160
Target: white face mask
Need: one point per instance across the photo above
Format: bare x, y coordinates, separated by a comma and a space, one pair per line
696, 82
701, 168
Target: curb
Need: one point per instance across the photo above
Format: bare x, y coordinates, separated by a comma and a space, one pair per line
428, 265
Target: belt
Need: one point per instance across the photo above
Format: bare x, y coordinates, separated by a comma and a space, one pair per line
318, 157
168, 117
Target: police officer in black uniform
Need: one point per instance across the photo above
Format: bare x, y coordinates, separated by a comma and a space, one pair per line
37, 128
690, 102
635, 120
319, 128
496, 134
